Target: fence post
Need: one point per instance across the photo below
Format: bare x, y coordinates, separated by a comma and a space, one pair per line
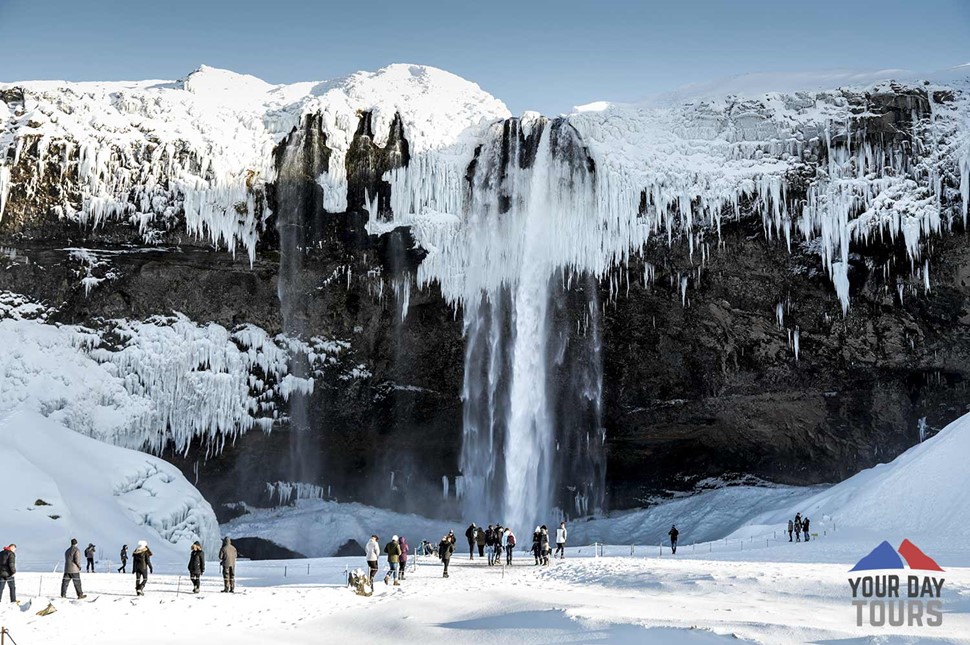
766, 543
308, 568
631, 550
178, 587
661, 549
284, 571
40, 584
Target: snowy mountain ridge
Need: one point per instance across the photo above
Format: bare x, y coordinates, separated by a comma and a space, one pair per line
198, 153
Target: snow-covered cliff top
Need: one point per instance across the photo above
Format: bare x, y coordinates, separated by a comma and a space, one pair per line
147, 153
201, 144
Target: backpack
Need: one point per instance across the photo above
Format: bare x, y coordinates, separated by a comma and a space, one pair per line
511, 540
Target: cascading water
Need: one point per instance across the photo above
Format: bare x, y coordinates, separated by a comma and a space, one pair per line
297, 198
532, 436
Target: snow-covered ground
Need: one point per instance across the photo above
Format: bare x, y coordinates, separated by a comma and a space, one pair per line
750, 584
641, 599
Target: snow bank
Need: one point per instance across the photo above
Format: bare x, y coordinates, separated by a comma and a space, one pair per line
58, 484
923, 492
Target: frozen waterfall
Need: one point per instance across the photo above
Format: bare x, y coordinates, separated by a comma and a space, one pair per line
529, 447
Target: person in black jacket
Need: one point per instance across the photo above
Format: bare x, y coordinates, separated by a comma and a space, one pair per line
196, 566
124, 559
470, 534
89, 554
141, 564
673, 533
805, 524
8, 569
445, 549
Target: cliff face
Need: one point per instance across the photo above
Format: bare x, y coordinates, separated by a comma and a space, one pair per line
771, 288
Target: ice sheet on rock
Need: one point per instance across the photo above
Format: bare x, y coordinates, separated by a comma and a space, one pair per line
163, 382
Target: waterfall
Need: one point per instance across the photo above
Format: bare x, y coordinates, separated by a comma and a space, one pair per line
532, 389
297, 200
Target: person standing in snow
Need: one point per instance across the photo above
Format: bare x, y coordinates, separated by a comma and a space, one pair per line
544, 544
227, 560
508, 540
8, 569
372, 551
561, 541
791, 530
72, 570
141, 564
798, 527
196, 565
124, 559
480, 539
537, 544
404, 556
805, 525
393, 551
445, 549
89, 554
495, 551
452, 538
673, 533
470, 533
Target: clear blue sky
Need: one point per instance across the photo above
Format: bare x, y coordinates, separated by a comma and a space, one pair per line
545, 56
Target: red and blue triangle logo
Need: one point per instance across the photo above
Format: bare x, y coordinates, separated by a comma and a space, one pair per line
885, 556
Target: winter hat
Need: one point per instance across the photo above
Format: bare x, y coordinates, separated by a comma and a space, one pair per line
197, 543
73, 541
393, 538
142, 543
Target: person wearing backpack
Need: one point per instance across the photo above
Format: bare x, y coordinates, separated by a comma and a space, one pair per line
673, 533
8, 569
509, 538
791, 530
805, 525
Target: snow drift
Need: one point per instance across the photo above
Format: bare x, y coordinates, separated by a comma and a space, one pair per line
59, 484
923, 492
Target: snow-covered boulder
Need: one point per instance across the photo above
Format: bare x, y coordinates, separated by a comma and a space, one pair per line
58, 484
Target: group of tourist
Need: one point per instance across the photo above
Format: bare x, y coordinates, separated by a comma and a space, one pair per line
141, 567
494, 543
497, 540
799, 527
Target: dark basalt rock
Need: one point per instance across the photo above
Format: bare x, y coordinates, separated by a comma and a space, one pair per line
257, 548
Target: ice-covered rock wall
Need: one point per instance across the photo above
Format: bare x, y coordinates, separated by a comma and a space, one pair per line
166, 382
529, 227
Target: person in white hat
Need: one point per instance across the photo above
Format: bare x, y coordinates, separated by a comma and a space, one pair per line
393, 551
141, 564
